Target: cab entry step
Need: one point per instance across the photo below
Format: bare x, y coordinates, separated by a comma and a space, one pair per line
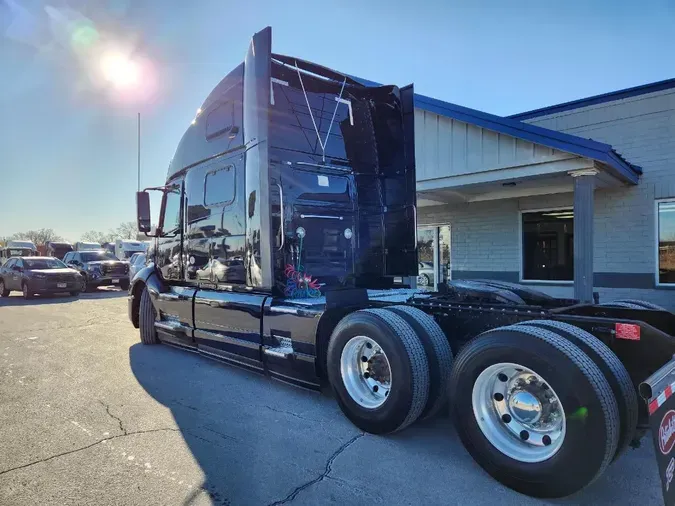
283, 350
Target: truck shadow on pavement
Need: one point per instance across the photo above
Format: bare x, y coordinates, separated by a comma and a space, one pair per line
259, 441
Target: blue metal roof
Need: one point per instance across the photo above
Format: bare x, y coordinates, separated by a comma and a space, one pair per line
564, 142
597, 99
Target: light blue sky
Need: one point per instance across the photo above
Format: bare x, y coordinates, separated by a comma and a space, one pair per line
68, 147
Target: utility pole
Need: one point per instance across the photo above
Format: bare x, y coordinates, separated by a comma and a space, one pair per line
139, 151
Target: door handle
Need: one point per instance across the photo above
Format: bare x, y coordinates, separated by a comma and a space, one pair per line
321, 216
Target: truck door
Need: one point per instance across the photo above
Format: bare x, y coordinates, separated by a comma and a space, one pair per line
174, 303
227, 316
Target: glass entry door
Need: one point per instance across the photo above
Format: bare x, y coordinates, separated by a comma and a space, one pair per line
433, 250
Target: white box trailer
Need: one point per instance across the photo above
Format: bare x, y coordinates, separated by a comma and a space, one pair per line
22, 244
124, 248
87, 246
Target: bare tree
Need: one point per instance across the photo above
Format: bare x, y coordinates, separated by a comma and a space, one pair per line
127, 230
39, 237
98, 236
43, 236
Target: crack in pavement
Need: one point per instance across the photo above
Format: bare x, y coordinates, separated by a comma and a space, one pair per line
69, 452
119, 420
292, 414
329, 468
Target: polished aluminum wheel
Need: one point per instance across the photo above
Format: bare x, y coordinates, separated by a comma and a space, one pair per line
365, 372
518, 412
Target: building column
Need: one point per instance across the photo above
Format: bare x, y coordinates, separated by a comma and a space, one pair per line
584, 186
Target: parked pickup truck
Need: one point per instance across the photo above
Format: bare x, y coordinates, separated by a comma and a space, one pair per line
286, 245
98, 268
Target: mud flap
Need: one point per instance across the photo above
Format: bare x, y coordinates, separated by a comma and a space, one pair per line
657, 391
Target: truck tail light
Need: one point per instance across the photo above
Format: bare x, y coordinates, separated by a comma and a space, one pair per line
629, 331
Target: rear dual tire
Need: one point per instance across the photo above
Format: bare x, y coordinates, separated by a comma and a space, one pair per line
634, 304
418, 359
389, 345
613, 370
591, 428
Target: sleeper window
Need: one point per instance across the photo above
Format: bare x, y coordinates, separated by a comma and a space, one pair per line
219, 186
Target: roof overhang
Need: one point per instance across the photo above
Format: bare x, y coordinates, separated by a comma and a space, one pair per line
600, 152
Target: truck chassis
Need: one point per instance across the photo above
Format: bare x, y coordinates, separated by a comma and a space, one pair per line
286, 244
607, 351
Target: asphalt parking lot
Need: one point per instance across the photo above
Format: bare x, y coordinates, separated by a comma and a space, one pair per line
88, 415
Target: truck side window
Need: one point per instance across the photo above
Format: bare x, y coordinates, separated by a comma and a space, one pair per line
219, 186
172, 210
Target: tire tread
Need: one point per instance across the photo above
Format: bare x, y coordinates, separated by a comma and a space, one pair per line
439, 357
418, 362
147, 319
621, 384
586, 366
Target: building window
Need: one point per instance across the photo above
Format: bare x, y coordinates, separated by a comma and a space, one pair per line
666, 235
548, 245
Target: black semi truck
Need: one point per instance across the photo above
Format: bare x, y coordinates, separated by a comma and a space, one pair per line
286, 244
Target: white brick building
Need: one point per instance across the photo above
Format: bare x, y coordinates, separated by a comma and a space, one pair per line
550, 196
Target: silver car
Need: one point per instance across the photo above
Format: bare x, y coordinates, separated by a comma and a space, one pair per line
425, 277
136, 263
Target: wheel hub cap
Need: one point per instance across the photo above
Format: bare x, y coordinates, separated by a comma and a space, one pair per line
525, 407
518, 412
365, 371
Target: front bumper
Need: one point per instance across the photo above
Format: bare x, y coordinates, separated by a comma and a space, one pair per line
48, 286
109, 280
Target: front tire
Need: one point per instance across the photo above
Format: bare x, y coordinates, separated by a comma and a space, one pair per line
27, 294
146, 319
84, 285
550, 426
124, 285
378, 370
3, 289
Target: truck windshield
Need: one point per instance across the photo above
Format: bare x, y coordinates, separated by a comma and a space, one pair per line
95, 256
43, 263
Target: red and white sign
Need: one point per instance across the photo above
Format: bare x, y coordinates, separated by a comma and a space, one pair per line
628, 331
667, 432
